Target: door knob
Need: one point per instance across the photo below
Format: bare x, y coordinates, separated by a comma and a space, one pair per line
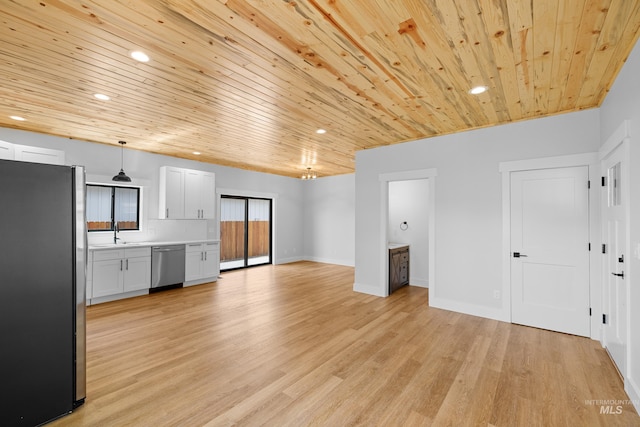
621, 275
519, 255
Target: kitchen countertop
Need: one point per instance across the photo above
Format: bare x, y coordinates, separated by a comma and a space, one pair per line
124, 245
396, 245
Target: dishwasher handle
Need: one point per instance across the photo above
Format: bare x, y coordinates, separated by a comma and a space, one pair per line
167, 248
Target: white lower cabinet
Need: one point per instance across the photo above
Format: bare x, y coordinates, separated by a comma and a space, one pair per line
137, 273
202, 262
118, 271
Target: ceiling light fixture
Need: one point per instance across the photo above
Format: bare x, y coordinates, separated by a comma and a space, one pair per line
140, 56
309, 174
121, 177
478, 90
18, 118
197, 153
101, 97
321, 131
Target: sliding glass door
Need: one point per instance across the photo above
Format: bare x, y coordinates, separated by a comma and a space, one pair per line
245, 232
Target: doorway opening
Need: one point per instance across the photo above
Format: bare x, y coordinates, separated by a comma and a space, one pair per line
408, 225
408, 217
245, 232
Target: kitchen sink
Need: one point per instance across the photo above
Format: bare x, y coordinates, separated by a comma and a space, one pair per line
120, 244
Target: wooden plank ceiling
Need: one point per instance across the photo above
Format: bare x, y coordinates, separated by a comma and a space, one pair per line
248, 83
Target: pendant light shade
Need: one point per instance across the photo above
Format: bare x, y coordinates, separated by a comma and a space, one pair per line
121, 177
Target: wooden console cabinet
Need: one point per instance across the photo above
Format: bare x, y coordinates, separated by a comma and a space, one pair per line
398, 267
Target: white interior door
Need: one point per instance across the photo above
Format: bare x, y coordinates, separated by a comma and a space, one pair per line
615, 241
550, 252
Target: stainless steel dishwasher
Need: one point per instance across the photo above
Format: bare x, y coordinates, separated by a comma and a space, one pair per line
167, 266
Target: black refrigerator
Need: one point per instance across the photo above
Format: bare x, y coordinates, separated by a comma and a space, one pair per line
42, 291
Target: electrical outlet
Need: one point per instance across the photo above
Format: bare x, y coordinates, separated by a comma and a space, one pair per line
496, 294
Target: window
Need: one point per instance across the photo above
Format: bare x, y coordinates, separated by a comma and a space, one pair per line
613, 187
108, 205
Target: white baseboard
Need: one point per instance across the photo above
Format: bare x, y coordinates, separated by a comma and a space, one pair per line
367, 289
421, 283
346, 263
288, 260
109, 298
633, 390
200, 281
466, 308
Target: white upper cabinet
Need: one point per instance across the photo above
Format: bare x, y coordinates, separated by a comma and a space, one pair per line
199, 195
171, 197
25, 153
6, 151
186, 194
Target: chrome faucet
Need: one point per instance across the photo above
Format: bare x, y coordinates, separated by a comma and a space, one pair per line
116, 229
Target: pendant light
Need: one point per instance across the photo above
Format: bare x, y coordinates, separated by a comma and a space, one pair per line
309, 174
122, 177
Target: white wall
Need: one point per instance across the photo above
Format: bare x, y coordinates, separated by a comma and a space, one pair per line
408, 202
103, 161
468, 202
623, 103
329, 219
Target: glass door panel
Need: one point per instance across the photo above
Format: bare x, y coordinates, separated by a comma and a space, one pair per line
232, 216
245, 232
259, 231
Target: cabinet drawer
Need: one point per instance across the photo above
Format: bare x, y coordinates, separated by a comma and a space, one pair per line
403, 273
193, 247
211, 246
137, 252
108, 254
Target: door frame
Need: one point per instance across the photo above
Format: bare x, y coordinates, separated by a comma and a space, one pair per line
251, 194
384, 179
595, 289
246, 234
620, 139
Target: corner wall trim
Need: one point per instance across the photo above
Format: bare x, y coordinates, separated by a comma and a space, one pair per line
615, 139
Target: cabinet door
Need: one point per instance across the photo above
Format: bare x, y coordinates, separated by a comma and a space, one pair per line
107, 277
137, 273
394, 270
192, 194
208, 196
6, 151
26, 153
193, 265
211, 262
171, 199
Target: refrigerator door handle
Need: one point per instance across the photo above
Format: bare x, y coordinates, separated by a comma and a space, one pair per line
80, 231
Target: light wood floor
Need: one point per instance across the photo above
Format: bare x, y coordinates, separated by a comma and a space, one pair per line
293, 345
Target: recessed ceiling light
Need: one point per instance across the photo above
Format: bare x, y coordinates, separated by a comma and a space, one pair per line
101, 97
197, 153
18, 118
321, 131
478, 90
140, 56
